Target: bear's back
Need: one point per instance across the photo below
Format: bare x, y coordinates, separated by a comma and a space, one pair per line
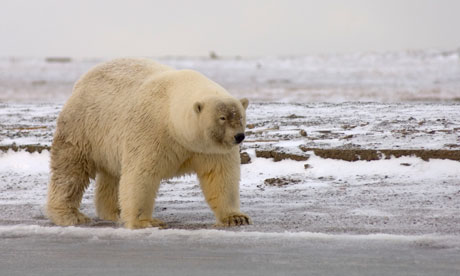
105, 96
118, 76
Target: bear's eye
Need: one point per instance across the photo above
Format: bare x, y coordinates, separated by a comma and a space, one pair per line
222, 118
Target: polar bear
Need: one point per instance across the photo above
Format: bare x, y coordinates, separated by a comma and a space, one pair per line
130, 123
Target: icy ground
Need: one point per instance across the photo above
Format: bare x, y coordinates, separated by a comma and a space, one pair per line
398, 196
324, 216
312, 215
330, 197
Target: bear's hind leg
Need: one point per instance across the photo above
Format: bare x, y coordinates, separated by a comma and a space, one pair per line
106, 197
70, 173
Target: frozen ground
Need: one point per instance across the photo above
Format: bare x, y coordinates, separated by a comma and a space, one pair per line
313, 212
77, 251
327, 215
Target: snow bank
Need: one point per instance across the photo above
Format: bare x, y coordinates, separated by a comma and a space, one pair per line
24, 162
221, 236
412, 168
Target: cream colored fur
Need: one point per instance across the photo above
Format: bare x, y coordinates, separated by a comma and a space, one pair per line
131, 123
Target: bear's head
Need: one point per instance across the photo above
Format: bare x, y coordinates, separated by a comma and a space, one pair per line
204, 117
221, 122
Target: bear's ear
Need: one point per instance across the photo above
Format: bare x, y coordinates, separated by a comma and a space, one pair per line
244, 102
198, 107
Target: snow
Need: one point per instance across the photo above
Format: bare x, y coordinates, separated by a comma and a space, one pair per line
398, 196
24, 162
331, 196
361, 125
410, 168
385, 77
207, 235
403, 168
261, 167
375, 101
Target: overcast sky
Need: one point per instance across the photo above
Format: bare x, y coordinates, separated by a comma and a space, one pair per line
93, 28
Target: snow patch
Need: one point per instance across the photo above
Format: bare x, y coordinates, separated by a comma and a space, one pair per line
24, 162
413, 168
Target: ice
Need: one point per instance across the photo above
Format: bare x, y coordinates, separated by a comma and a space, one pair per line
79, 250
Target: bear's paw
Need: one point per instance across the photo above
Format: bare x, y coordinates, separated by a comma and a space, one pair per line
235, 219
68, 218
145, 223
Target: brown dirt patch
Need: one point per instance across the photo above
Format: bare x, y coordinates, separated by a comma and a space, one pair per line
29, 148
369, 155
279, 155
245, 158
279, 182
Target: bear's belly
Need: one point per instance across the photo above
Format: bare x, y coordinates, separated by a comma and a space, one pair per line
166, 164
107, 161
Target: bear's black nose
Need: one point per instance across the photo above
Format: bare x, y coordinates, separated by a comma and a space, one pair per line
239, 138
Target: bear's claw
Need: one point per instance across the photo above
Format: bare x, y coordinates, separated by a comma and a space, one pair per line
235, 219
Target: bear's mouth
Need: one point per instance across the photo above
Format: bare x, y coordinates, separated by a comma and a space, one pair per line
229, 144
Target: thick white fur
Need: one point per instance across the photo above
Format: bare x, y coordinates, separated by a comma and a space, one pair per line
133, 122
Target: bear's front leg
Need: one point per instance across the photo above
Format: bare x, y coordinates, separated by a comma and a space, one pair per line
219, 177
137, 197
